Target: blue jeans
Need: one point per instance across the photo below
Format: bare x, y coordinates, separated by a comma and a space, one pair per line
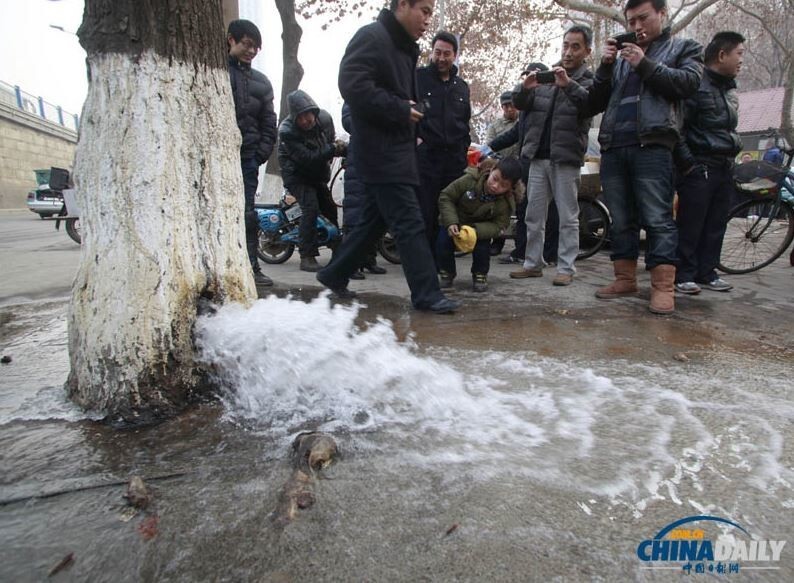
250, 170
392, 206
445, 254
638, 187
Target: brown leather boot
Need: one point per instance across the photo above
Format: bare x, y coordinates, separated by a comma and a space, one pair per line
625, 283
662, 289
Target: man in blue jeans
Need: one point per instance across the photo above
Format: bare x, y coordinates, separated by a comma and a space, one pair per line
377, 80
640, 93
253, 104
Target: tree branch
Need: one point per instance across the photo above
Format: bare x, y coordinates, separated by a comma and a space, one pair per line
750, 13
590, 8
692, 14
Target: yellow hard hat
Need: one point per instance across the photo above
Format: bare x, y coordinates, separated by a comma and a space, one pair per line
466, 240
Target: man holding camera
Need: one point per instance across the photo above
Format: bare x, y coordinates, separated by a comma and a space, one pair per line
556, 142
443, 134
641, 94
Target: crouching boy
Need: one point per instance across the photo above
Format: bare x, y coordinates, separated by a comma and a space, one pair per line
483, 198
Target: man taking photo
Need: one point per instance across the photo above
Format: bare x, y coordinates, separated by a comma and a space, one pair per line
639, 86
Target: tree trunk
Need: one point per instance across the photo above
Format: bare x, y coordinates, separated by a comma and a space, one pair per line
293, 71
159, 185
786, 126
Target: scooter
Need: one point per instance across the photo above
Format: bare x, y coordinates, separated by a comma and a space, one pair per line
278, 230
69, 214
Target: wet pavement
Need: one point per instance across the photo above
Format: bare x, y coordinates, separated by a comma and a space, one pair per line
538, 434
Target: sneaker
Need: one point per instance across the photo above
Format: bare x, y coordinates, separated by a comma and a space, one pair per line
479, 282
562, 279
309, 264
510, 260
445, 279
358, 275
687, 287
524, 273
261, 279
718, 284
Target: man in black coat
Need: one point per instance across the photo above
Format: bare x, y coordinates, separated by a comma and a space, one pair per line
377, 80
444, 135
705, 156
306, 145
253, 104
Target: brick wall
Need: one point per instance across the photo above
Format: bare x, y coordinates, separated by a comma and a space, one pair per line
28, 142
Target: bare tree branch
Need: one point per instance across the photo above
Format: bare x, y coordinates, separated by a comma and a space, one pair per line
692, 14
590, 8
786, 50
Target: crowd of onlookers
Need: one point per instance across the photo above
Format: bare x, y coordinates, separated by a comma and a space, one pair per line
670, 114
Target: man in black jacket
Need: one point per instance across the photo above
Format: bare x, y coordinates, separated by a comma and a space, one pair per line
444, 135
556, 143
253, 104
640, 94
377, 80
306, 145
705, 157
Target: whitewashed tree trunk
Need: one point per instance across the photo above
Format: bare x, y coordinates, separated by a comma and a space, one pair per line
161, 195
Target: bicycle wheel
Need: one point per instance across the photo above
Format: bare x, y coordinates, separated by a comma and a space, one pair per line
593, 227
758, 232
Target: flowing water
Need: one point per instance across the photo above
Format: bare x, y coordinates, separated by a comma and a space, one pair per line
456, 462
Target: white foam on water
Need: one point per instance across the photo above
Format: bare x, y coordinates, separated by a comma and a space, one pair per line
614, 429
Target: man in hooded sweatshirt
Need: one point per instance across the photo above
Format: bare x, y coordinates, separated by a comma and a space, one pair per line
253, 105
306, 146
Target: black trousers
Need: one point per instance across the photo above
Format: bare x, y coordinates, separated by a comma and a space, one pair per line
704, 201
437, 168
314, 199
250, 170
393, 207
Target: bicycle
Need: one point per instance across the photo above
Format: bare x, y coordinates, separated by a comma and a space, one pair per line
759, 230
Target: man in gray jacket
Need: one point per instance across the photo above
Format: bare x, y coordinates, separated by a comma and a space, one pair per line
642, 92
556, 143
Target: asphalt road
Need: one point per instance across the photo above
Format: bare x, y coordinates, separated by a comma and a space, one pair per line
36, 261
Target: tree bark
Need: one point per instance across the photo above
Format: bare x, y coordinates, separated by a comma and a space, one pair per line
158, 179
293, 71
231, 11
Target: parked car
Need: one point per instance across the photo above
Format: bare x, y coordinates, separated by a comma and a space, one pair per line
44, 201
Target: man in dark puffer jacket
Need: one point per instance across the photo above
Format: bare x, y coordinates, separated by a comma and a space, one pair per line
306, 146
253, 104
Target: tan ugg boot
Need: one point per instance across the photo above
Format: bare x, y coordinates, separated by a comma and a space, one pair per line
662, 289
625, 283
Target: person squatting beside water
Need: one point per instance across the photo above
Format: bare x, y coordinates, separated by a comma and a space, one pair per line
705, 159
353, 201
483, 199
640, 92
253, 106
377, 80
556, 143
443, 133
306, 145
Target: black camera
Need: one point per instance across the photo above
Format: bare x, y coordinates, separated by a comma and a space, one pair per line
626, 37
423, 106
545, 77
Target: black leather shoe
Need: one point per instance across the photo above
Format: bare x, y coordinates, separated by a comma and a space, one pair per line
375, 269
261, 279
444, 306
309, 264
510, 260
337, 292
357, 275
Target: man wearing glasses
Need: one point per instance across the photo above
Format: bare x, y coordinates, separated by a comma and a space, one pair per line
253, 104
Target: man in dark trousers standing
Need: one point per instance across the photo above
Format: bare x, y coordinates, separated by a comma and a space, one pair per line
253, 104
377, 80
641, 93
444, 136
704, 157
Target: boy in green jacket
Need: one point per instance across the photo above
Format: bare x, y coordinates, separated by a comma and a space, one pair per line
483, 198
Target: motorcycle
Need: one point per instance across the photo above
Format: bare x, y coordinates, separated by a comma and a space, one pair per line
70, 215
278, 230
